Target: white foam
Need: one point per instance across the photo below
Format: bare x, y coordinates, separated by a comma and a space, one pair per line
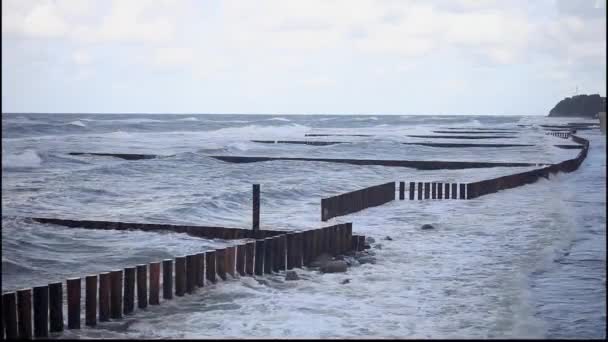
26, 159
77, 123
279, 119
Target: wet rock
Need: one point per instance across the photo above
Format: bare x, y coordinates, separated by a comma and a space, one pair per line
427, 226
321, 260
367, 246
335, 266
369, 240
388, 238
367, 260
378, 246
291, 275
345, 281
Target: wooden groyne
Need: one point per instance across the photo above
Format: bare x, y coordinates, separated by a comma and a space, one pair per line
315, 143
416, 164
467, 145
433, 190
562, 135
489, 186
196, 231
110, 296
126, 156
463, 136
357, 200
476, 132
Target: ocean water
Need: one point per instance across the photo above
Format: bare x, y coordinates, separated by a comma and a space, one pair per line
525, 262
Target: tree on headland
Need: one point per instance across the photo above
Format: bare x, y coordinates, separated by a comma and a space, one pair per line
580, 105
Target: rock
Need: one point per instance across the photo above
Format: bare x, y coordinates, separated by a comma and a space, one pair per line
427, 226
345, 281
321, 260
367, 246
335, 266
378, 245
369, 240
388, 238
291, 275
367, 260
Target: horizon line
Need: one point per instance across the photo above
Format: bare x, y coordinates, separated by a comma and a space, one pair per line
357, 114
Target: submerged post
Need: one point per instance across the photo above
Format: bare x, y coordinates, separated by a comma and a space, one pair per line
401, 190
412, 185
256, 206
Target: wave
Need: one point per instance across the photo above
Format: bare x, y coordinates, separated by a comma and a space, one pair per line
27, 159
188, 119
260, 132
278, 119
367, 118
77, 123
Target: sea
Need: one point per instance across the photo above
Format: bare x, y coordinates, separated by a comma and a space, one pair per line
528, 262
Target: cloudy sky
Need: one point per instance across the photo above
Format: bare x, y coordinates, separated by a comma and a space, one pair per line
301, 57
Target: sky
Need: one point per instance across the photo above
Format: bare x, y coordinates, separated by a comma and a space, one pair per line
436, 57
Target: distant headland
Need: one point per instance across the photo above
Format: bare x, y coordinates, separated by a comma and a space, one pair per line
580, 105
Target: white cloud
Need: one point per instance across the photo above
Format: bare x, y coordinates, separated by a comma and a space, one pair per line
81, 58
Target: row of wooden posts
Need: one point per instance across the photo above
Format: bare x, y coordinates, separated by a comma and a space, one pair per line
354, 201
358, 200
563, 135
111, 295
433, 190
484, 187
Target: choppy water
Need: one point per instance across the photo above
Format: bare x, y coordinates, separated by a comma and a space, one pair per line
526, 262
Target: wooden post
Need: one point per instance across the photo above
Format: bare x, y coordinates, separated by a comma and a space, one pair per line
210, 266
154, 283
201, 269
349, 235
56, 306
454, 190
249, 258
355, 243
24, 313
190, 274
401, 190
180, 276
231, 260
142, 286
41, 311
104, 297
268, 257
299, 262
439, 190
256, 206
447, 190
290, 250
433, 190
275, 254
73, 290
306, 247
167, 278
90, 300
259, 257
462, 191
470, 191
116, 294
427, 190
220, 263
129, 290
361, 242
282, 252
419, 190
9, 314
240, 259
412, 186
